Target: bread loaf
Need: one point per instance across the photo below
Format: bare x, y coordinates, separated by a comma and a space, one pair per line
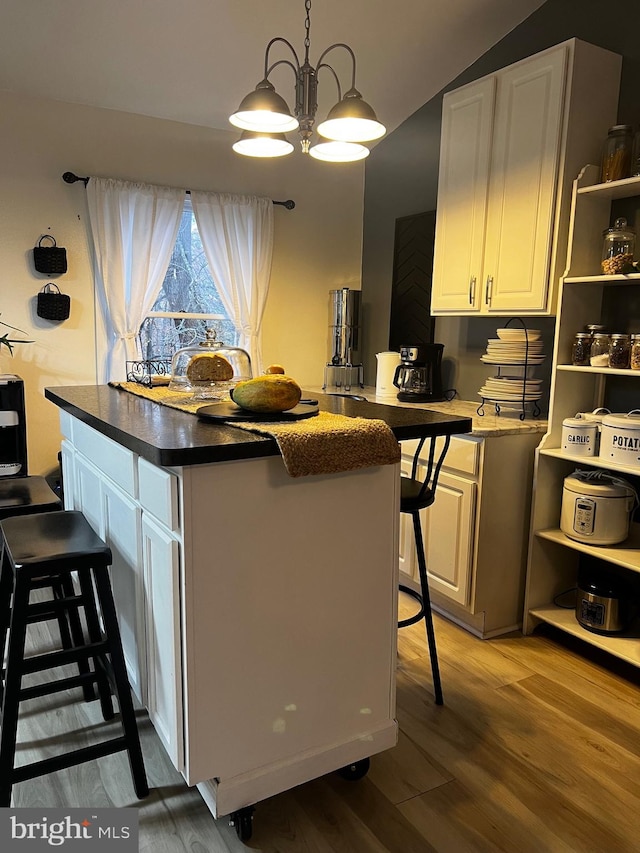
209, 367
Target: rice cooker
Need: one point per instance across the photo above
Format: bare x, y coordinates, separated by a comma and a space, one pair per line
596, 507
620, 439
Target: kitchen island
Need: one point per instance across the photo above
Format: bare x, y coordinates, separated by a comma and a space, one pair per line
258, 611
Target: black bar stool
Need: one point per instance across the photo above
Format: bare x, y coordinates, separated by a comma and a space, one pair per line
40, 547
416, 495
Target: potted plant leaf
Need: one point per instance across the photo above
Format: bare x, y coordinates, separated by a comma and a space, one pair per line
6, 341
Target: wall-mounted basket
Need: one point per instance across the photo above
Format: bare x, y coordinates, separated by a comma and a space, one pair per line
51, 260
53, 305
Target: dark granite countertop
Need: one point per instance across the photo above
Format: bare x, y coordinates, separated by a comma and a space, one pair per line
166, 436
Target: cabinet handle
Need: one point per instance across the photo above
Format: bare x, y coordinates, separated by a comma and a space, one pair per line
488, 291
472, 289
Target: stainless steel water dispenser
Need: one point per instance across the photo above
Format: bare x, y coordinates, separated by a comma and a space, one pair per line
344, 365
13, 431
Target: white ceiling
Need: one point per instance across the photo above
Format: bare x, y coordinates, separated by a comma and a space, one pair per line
193, 60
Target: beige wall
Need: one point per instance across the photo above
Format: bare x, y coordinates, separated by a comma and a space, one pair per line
318, 245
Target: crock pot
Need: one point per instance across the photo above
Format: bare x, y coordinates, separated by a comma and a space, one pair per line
596, 507
620, 439
605, 601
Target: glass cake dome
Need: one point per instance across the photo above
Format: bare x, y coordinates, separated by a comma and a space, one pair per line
209, 369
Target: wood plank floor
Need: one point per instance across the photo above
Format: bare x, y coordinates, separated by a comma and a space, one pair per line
536, 750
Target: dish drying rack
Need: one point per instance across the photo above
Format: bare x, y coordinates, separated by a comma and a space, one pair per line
525, 364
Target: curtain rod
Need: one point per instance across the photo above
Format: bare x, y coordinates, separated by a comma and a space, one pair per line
70, 178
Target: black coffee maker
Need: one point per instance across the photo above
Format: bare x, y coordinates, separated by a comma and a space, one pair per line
419, 375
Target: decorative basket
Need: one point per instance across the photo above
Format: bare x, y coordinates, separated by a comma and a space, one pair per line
51, 260
53, 305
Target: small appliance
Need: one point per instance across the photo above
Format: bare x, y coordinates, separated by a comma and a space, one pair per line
605, 602
596, 507
385, 373
419, 374
13, 433
344, 365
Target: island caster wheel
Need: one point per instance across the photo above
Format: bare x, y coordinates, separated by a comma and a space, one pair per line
242, 820
355, 771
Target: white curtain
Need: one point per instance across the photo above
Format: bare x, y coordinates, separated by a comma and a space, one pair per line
237, 237
134, 228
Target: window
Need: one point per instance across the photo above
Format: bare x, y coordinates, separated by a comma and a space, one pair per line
188, 302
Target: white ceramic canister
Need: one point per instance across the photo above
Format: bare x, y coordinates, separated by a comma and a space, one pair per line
386, 369
620, 439
579, 436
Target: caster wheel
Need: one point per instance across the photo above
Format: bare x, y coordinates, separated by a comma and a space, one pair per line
355, 771
242, 820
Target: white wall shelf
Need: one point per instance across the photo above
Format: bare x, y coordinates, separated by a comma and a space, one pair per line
624, 646
626, 554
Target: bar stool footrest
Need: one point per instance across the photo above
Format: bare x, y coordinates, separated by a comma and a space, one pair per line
419, 616
68, 759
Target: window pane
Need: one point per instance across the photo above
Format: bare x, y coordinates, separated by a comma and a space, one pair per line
189, 288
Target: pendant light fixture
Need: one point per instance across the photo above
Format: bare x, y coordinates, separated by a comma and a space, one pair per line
264, 116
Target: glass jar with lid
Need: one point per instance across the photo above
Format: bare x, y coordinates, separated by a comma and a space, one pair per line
599, 355
618, 248
619, 351
209, 369
634, 361
581, 349
616, 154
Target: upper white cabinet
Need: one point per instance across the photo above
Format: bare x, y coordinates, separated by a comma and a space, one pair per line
511, 145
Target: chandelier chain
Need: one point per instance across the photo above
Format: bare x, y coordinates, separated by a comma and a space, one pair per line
307, 27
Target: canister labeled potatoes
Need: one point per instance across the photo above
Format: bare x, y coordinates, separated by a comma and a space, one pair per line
620, 439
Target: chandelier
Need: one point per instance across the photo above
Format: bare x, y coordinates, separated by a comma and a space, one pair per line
264, 116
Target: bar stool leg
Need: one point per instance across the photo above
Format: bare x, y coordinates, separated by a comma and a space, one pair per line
12, 685
426, 603
123, 689
95, 635
64, 588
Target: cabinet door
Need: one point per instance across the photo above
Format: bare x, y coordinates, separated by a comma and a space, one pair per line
68, 475
465, 151
522, 188
448, 527
160, 556
122, 535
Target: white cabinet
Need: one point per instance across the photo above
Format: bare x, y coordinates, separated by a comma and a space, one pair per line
585, 297
511, 144
161, 567
475, 533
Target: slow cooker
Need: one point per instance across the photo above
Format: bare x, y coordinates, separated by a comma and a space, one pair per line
604, 603
596, 507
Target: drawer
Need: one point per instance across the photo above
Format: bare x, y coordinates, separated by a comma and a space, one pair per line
159, 493
115, 461
463, 454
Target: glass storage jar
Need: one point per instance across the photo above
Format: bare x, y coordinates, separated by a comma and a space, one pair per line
599, 356
616, 155
619, 351
581, 349
618, 248
635, 352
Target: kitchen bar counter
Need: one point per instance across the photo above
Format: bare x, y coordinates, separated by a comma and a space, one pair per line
258, 631
165, 436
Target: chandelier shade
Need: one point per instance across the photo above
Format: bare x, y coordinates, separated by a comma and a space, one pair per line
339, 152
254, 144
265, 111
264, 115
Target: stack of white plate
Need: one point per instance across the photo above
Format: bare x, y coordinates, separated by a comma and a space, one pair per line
511, 389
515, 346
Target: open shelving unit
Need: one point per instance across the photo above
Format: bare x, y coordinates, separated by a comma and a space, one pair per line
553, 557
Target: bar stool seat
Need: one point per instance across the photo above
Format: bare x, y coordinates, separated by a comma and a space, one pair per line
37, 547
26, 495
417, 494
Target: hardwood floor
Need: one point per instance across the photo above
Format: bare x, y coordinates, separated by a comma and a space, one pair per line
536, 750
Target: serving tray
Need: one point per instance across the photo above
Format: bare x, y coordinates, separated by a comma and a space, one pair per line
229, 412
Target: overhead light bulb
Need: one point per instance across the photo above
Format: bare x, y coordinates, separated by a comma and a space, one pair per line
264, 111
254, 144
352, 120
338, 151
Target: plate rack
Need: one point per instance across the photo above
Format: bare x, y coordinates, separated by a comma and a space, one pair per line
515, 401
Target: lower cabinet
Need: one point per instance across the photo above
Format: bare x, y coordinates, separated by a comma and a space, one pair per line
476, 532
145, 574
